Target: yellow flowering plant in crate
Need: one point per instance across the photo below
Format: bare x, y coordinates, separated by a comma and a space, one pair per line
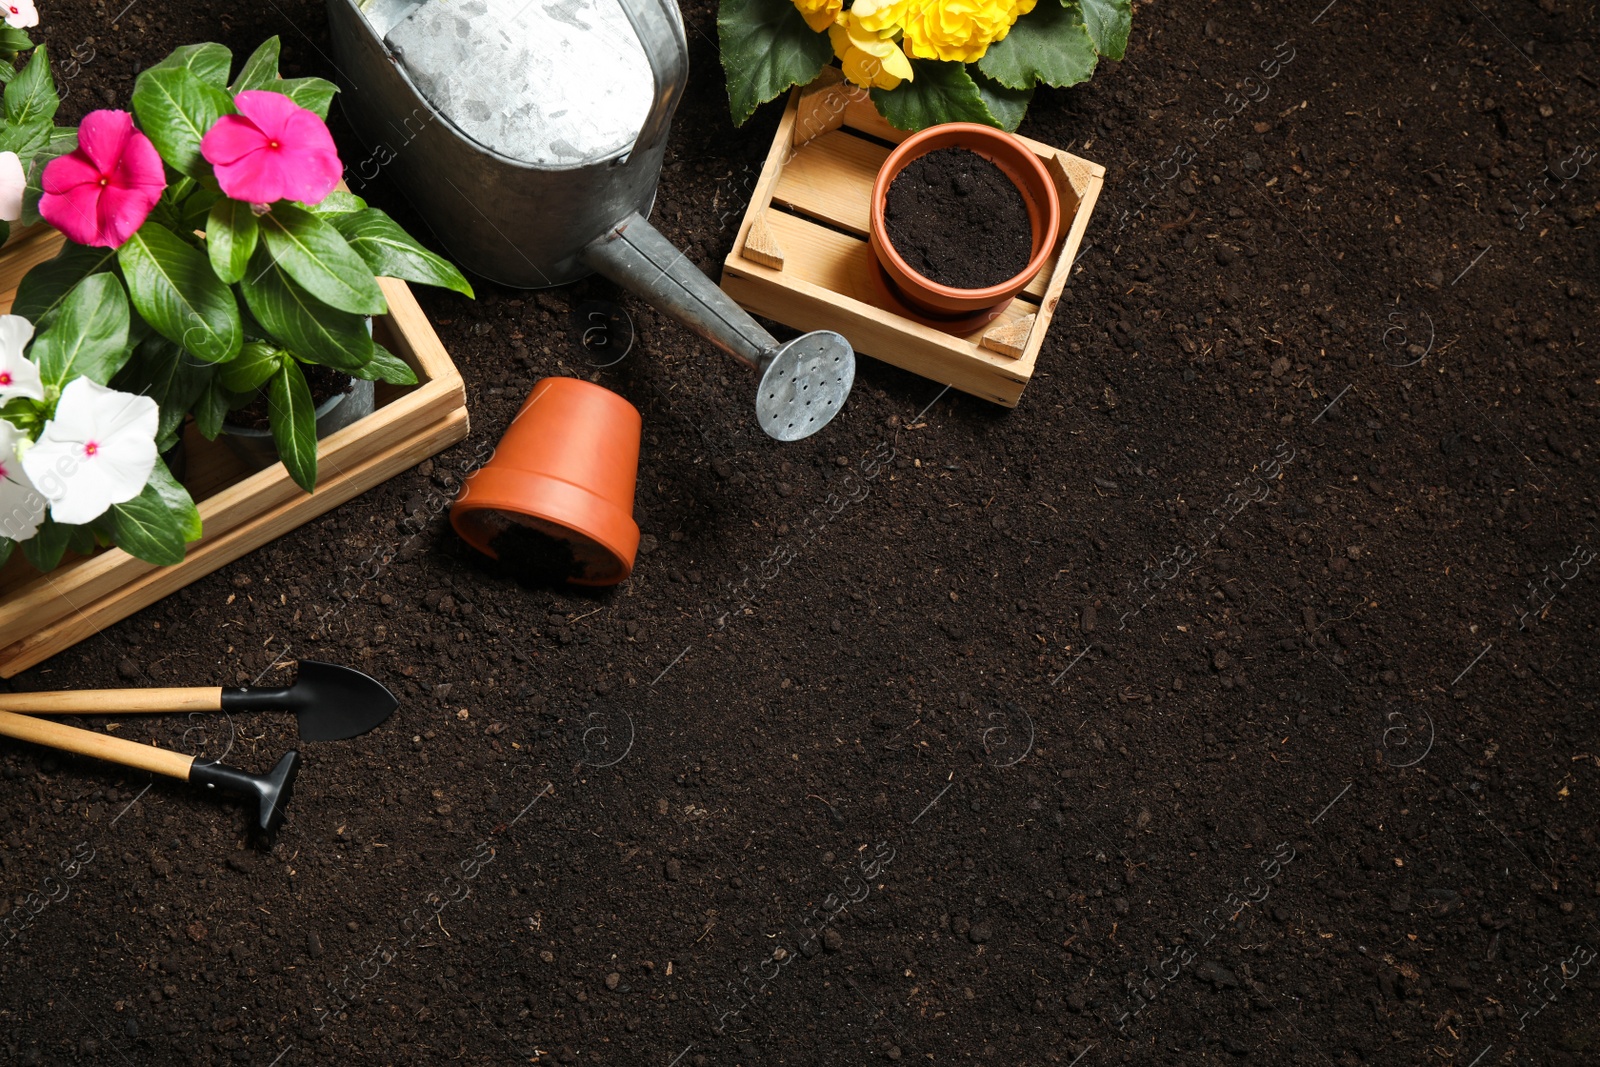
924, 61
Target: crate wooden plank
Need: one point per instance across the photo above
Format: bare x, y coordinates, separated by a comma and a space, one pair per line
869, 333
832, 179
153, 583
812, 199
844, 264
241, 509
27, 248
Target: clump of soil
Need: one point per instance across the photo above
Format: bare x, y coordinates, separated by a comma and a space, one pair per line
956, 219
533, 556
325, 382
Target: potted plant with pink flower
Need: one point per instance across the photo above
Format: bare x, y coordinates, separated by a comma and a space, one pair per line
925, 62
209, 260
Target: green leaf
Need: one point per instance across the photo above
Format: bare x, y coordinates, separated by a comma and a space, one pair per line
6, 546
231, 233
260, 71
8, 71
337, 202
60, 143
208, 62
45, 286
938, 92
177, 500
171, 377
766, 48
89, 339
174, 288
300, 322
80, 539
13, 40
46, 547
175, 108
211, 410
1109, 22
1008, 106
257, 362
387, 367
294, 424
1049, 45
313, 94
318, 257
147, 528
194, 209
26, 139
31, 96
393, 253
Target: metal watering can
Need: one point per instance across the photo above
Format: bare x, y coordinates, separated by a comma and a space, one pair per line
530, 137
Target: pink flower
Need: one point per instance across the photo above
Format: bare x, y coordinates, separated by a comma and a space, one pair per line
101, 192
273, 149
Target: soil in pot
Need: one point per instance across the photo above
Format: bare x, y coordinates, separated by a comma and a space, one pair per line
956, 219
325, 383
539, 553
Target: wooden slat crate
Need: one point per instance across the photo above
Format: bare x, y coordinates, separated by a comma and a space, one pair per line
802, 257
242, 509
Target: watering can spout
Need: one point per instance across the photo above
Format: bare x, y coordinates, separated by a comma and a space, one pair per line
804, 382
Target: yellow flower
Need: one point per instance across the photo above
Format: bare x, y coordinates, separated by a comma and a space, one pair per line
882, 17
960, 30
871, 59
819, 14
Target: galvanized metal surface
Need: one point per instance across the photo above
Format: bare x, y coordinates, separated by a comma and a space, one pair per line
805, 384
518, 223
557, 83
635, 256
530, 134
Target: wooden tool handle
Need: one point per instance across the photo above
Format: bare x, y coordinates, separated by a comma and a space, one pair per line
113, 701
100, 746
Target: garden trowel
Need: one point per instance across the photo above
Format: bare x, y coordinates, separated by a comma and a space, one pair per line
331, 703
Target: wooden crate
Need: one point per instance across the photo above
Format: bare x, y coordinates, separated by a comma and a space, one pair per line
242, 509
802, 256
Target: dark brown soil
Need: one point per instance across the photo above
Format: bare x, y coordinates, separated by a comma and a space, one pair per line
1233, 700
956, 219
534, 556
324, 382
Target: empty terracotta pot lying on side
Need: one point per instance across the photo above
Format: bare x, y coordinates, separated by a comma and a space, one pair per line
555, 501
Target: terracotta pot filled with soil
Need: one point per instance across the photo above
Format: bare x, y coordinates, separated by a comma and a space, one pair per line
963, 217
337, 399
554, 503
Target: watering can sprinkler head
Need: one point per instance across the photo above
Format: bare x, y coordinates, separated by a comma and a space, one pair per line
804, 382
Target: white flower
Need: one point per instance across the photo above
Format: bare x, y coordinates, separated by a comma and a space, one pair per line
98, 451
18, 376
12, 182
21, 505
20, 13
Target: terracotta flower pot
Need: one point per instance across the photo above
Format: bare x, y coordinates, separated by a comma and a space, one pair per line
556, 498
963, 310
